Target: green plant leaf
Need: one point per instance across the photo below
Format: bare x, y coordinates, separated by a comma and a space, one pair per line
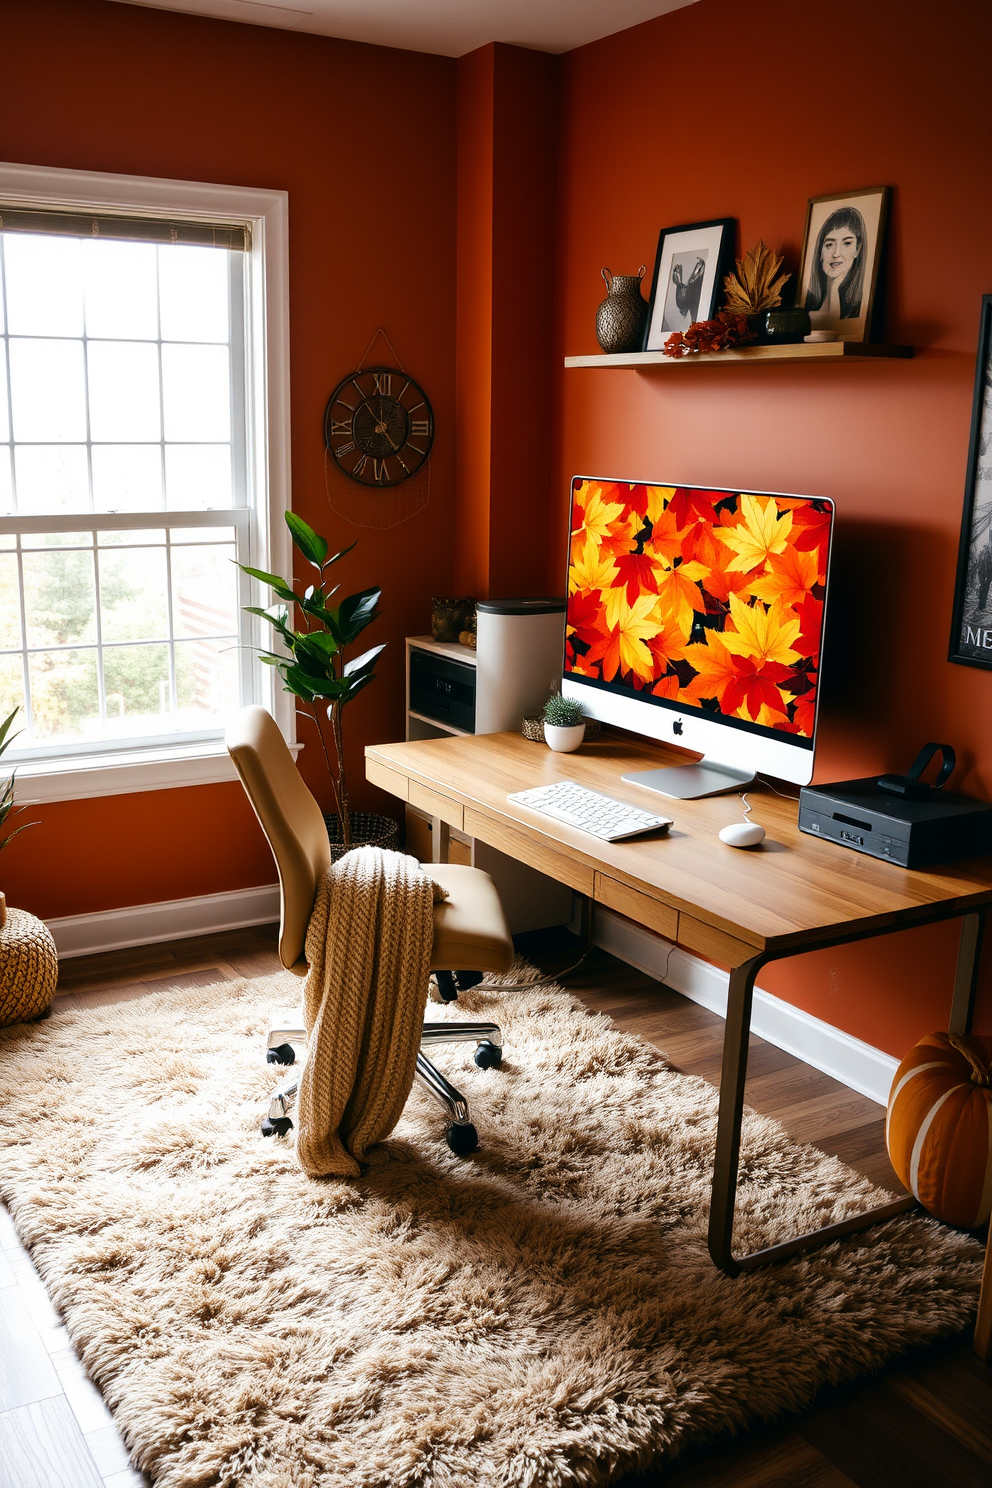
355, 613
5, 730
338, 556
354, 688
319, 645
311, 545
274, 582
364, 663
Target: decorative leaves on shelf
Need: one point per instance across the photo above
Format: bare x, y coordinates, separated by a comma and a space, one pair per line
753, 286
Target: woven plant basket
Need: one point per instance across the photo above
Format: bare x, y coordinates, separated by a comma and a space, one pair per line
367, 830
29, 966
532, 728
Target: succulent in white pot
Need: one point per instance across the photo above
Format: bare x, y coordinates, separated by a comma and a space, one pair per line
564, 724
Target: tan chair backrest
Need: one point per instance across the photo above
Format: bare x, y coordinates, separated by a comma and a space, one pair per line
289, 817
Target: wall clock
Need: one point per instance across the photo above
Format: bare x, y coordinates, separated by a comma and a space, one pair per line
378, 426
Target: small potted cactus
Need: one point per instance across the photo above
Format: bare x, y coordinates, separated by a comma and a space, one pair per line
564, 724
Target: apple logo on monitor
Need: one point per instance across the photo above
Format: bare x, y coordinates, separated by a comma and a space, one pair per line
677, 726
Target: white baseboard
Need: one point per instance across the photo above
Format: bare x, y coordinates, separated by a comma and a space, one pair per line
857, 1065
174, 919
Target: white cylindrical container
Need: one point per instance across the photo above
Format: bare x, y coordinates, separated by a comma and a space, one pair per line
519, 650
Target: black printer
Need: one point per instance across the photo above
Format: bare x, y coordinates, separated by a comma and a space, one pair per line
900, 818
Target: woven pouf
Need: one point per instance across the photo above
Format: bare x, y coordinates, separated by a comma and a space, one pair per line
29, 966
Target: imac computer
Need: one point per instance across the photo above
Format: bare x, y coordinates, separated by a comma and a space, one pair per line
695, 616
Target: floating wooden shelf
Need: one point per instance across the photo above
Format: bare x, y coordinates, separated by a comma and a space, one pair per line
821, 351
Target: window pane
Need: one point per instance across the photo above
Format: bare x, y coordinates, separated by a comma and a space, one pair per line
124, 397
198, 476
193, 293
138, 537
10, 604
197, 392
6, 484
48, 389
44, 287
136, 679
132, 594
4, 408
51, 479
206, 682
202, 534
120, 290
64, 696
12, 693
127, 477
60, 600
204, 591
56, 540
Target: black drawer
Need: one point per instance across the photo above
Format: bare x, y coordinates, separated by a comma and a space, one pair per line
443, 689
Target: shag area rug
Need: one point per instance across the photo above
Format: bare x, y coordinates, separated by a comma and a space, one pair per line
543, 1313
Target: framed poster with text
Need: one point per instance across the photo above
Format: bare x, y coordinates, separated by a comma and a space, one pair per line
971, 627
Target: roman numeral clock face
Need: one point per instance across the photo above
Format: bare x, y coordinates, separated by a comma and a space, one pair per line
378, 426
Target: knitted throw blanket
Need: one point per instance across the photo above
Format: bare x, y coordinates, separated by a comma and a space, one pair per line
368, 948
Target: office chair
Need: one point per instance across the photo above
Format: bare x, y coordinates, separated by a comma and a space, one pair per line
469, 926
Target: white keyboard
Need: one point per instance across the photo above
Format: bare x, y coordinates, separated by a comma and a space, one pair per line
598, 815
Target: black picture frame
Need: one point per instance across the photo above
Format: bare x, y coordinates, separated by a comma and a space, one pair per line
712, 244
971, 636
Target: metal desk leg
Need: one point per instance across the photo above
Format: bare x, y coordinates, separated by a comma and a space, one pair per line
966, 974
728, 1142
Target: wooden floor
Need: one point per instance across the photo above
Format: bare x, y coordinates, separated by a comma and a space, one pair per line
924, 1423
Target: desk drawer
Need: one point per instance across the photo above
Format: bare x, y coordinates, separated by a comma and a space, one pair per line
715, 944
641, 908
435, 804
529, 850
386, 779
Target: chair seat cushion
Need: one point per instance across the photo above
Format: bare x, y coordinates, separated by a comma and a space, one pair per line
470, 930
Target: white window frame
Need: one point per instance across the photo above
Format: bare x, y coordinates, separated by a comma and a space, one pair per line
120, 770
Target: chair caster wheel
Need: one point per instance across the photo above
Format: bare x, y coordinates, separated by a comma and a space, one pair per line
446, 986
281, 1054
488, 1055
278, 1126
462, 1139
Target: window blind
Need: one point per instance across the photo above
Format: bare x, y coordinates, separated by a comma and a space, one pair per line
236, 236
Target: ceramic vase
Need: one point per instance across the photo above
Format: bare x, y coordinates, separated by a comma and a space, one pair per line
621, 318
564, 740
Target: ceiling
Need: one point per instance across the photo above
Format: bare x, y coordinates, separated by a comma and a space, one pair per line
451, 27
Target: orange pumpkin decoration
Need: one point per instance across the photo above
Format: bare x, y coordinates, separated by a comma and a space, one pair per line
939, 1126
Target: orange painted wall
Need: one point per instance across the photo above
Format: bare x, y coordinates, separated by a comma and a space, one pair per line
507, 160
363, 139
668, 123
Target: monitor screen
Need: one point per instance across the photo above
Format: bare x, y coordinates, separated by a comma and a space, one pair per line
706, 602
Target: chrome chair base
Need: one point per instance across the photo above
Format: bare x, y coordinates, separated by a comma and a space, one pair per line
286, 1032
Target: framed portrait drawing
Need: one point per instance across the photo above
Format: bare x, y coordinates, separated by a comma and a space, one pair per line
689, 270
971, 627
842, 252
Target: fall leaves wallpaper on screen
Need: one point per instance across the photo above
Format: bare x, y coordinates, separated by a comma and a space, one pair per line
703, 599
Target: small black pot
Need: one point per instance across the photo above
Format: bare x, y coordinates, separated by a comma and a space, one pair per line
784, 325
367, 830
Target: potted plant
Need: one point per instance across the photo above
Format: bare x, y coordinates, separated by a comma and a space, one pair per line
564, 723
316, 672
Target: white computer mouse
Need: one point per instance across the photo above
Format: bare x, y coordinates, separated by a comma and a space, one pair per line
742, 834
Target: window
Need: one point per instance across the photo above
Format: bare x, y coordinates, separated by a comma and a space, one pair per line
135, 468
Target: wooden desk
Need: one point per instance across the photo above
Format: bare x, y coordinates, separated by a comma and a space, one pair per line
740, 909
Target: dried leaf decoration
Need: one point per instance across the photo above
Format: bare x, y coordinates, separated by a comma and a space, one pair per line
711, 599
719, 334
753, 287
